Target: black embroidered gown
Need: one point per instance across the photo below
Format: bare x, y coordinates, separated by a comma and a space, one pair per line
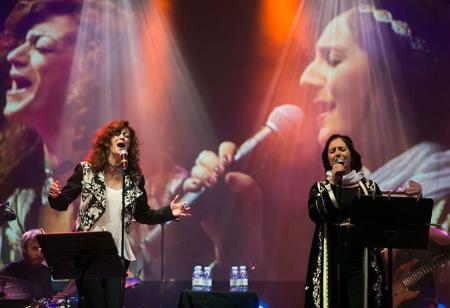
333, 250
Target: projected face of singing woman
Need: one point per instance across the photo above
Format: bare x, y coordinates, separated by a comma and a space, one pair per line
40, 70
338, 77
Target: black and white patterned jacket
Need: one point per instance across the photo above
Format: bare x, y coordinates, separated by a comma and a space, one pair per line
91, 186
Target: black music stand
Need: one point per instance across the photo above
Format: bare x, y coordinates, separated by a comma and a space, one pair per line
391, 222
81, 255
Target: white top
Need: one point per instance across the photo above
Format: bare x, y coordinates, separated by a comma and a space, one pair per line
111, 221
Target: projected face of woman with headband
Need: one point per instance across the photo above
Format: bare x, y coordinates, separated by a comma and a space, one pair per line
338, 75
369, 79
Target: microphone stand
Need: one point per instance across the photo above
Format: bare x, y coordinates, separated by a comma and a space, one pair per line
122, 244
339, 244
162, 278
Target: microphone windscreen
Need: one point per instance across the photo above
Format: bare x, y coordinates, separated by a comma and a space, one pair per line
285, 118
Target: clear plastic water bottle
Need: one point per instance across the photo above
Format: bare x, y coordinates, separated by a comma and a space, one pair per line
243, 279
207, 279
197, 278
234, 274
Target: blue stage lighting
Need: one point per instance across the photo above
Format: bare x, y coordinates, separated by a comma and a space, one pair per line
262, 304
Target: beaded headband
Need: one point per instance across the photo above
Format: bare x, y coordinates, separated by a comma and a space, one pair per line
399, 27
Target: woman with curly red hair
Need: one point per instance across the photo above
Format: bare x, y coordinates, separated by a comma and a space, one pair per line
101, 183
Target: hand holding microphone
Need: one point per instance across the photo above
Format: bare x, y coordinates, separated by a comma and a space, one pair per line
338, 169
209, 166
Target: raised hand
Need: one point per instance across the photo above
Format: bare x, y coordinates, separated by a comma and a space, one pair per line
55, 189
179, 209
413, 189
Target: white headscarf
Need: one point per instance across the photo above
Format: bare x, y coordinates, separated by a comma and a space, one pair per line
350, 178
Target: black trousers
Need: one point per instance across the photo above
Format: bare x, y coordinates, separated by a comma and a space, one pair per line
101, 293
351, 287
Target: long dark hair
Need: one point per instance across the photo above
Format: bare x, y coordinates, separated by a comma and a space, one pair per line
355, 163
98, 155
411, 69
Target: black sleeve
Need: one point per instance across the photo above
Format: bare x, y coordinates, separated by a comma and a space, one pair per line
145, 215
9, 270
70, 191
377, 189
320, 207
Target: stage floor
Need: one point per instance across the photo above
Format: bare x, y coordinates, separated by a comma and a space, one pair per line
272, 294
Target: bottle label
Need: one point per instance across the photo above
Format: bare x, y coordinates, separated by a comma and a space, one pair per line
197, 282
207, 282
242, 281
233, 282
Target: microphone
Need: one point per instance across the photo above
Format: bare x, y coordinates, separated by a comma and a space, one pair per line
6, 213
340, 174
123, 156
281, 120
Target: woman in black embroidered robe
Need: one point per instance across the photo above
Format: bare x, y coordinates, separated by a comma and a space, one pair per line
337, 266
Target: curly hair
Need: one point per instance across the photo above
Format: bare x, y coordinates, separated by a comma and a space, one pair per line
92, 59
355, 163
98, 155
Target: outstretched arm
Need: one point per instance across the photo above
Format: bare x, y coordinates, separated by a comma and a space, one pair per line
59, 199
146, 215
